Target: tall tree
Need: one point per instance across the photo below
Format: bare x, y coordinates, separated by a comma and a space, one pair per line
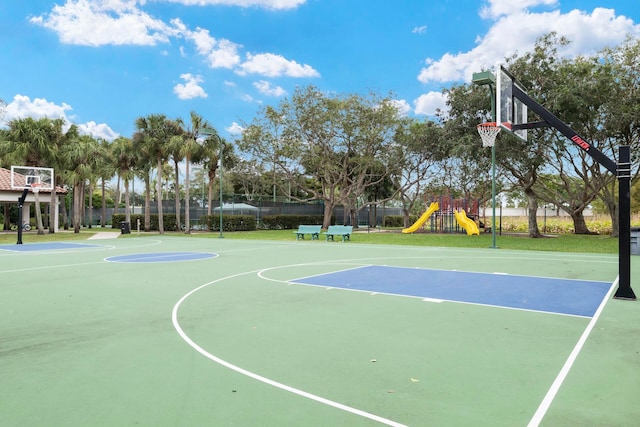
80, 158
190, 149
340, 142
125, 160
35, 142
156, 131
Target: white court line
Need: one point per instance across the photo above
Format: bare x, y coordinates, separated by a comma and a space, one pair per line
319, 399
568, 364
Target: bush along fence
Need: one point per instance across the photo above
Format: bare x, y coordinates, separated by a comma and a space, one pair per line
205, 223
238, 222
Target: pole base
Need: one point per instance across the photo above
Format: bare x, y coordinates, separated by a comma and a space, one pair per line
625, 294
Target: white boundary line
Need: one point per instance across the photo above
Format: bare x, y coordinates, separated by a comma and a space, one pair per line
568, 364
302, 393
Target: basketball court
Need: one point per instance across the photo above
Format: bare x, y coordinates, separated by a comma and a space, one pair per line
208, 331
182, 331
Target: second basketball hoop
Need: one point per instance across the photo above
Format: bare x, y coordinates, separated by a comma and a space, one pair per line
488, 133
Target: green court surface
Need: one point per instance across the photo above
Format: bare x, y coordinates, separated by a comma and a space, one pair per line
132, 331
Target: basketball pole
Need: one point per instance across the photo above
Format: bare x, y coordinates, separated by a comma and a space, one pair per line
487, 78
21, 200
622, 171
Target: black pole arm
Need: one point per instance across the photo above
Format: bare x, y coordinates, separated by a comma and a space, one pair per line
555, 122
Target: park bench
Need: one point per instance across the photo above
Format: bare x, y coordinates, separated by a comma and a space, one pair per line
313, 230
339, 230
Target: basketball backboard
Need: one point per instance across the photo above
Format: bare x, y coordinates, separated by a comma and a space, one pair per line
22, 177
510, 111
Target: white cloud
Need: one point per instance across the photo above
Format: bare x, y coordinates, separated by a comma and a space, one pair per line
497, 8
191, 88
428, 103
219, 53
98, 130
518, 32
122, 22
402, 106
267, 4
271, 65
265, 88
108, 22
419, 30
234, 129
22, 107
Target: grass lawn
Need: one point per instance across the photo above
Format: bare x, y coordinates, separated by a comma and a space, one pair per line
554, 242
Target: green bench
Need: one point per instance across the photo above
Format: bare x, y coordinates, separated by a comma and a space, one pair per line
339, 230
313, 230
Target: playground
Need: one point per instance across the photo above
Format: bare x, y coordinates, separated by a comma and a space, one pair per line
446, 214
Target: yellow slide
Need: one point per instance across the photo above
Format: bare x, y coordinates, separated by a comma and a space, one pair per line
432, 208
467, 223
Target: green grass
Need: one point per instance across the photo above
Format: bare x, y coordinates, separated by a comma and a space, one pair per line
558, 243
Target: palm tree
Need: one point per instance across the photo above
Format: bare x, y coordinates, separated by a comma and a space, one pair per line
142, 169
155, 131
34, 142
105, 169
210, 157
174, 148
191, 150
124, 161
80, 157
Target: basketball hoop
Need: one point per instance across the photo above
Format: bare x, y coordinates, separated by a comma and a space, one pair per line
35, 187
488, 132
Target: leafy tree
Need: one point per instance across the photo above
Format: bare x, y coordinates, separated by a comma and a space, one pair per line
32, 142
80, 157
155, 131
418, 148
125, 160
340, 142
189, 148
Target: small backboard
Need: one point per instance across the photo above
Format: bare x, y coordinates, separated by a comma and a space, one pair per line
24, 177
510, 111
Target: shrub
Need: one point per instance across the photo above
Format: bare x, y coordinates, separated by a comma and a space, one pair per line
229, 222
289, 222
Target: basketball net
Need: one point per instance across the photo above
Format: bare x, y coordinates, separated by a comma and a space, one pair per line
35, 188
488, 132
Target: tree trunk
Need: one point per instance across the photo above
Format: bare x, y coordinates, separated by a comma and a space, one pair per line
579, 224
328, 210
159, 192
532, 209
177, 195
104, 204
77, 205
53, 203
147, 203
90, 225
187, 225
127, 210
406, 217
615, 219
7, 224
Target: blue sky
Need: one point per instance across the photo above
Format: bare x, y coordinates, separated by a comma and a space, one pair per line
102, 63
